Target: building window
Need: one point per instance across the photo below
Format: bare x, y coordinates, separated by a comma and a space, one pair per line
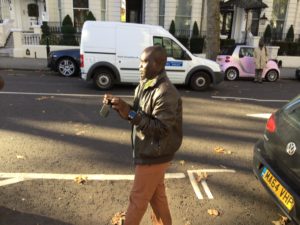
103, 10
278, 18
183, 17
80, 10
161, 16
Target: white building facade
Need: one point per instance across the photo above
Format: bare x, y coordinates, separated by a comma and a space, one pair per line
281, 14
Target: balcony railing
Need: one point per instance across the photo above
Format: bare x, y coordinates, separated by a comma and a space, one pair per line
31, 39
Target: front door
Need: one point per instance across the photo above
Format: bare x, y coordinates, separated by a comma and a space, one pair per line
247, 62
178, 62
134, 11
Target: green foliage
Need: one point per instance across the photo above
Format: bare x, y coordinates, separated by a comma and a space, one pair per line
290, 34
172, 29
195, 32
196, 44
53, 40
268, 34
287, 48
183, 40
90, 16
68, 32
226, 43
45, 29
67, 21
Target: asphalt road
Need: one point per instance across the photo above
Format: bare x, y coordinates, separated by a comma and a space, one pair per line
50, 128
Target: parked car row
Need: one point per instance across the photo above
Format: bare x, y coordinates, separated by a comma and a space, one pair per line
111, 59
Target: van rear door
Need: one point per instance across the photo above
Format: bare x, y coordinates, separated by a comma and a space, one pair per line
131, 41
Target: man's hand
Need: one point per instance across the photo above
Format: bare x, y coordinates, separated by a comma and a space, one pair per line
118, 104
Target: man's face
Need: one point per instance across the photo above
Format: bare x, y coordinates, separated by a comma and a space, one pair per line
147, 66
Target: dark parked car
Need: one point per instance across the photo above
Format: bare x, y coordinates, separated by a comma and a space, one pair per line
298, 73
276, 161
66, 62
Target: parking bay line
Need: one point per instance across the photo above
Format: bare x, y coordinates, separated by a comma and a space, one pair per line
203, 182
248, 99
57, 94
11, 178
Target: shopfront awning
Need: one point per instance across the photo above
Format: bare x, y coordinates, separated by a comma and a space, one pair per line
245, 4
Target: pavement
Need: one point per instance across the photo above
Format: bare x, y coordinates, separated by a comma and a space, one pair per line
32, 64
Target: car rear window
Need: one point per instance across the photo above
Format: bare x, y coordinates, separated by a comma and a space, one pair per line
227, 50
293, 111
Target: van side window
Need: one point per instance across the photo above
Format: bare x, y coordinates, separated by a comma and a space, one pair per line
172, 48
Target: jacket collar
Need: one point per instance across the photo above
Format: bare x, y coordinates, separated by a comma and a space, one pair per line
151, 83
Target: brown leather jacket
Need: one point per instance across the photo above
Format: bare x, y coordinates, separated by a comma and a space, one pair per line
159, 134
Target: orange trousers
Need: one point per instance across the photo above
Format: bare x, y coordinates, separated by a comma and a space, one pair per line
149, 187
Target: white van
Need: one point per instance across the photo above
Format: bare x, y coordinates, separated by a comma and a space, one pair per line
110, 52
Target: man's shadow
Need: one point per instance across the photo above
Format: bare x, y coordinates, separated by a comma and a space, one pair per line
13, 217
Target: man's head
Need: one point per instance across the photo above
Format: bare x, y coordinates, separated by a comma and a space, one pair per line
1, 83
261, 43
153, 60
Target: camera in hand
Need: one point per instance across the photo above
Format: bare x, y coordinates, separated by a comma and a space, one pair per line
105, 109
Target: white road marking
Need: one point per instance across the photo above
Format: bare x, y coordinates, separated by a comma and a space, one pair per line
248, 99
260, 115
11, 181
206, 189
195, 185
57, 94
18, 177
203, 182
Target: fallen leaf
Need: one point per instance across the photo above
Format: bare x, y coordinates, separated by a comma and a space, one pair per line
201, 176
219, 149
80, 133
187, 223
44, 111
213, 212
182, 162
282, 220
80, 179
20, 157
222, 151
42, 98
117, 218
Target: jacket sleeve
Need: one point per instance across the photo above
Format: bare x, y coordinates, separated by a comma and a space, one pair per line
164, 115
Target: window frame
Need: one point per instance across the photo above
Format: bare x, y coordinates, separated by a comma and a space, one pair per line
184, 56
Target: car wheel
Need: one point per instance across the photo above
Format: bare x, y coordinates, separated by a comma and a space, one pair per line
103, 79
200, 81
272, 75
231, 74
66, 67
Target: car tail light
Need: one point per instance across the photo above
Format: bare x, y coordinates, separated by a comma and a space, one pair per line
81, 60
271, 124
227, 59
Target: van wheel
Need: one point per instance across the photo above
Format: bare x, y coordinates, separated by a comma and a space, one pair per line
200, 81
272, 75
103, 79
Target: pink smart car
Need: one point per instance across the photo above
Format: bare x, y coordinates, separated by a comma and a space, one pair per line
238, 61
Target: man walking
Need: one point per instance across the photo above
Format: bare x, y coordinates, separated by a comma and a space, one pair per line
261, 59
156, 118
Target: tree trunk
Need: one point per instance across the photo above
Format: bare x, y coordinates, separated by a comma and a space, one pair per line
213, 29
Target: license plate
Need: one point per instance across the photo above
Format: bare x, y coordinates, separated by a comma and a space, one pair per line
281, 193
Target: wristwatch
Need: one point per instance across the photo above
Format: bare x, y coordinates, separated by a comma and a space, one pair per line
132, 115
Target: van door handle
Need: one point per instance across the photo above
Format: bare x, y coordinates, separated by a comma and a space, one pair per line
119, 61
